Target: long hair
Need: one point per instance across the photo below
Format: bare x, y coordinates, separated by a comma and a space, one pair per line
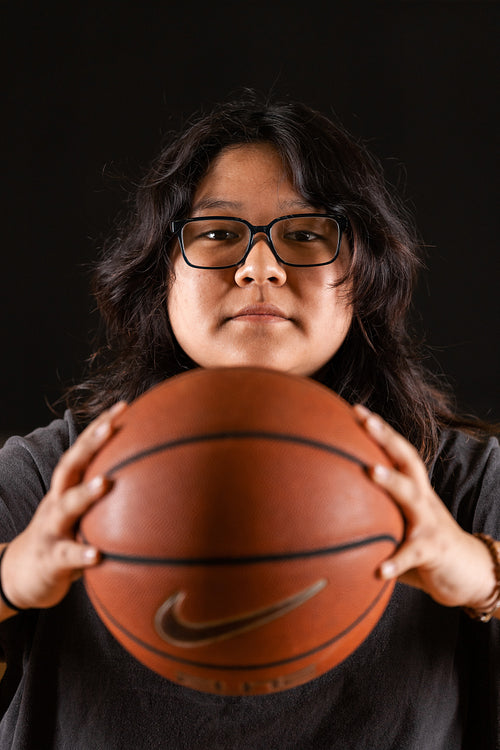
378, 364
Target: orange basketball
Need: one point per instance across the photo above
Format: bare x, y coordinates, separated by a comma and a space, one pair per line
242, 534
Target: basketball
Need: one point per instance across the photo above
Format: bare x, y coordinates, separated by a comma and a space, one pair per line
242, 533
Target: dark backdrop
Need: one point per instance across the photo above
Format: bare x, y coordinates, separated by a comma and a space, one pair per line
92, 88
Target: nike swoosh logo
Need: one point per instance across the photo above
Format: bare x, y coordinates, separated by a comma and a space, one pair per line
175, 629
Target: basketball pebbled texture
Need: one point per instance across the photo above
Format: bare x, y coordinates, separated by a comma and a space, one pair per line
242, 534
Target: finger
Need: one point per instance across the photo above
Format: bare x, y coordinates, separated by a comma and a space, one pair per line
73, 557
407, 561
402, 454
68, 508
404, 490
397, 565
74, 461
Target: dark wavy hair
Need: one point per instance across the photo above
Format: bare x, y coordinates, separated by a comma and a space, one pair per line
379, 363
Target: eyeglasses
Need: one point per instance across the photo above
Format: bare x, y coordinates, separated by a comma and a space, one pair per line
224, 241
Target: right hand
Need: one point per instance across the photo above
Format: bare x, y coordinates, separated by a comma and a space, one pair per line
41, 563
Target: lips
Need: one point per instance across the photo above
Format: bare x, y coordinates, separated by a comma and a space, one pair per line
262, 310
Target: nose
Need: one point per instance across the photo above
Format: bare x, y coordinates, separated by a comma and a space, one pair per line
260, 267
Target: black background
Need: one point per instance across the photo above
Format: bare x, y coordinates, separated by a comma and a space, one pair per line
91, 89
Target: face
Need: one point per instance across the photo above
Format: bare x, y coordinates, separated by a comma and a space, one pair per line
261, 313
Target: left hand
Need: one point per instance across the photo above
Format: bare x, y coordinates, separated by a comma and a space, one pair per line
437, 555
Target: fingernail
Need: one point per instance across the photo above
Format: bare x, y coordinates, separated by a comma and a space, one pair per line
118, 407
362, 410
380, 472
102, 430
387, 569
96, 484
90, 554
374, 425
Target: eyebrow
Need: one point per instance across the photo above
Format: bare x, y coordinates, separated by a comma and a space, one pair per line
219, 203
205, 203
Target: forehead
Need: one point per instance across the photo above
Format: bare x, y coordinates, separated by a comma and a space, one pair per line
248, 157
246, 173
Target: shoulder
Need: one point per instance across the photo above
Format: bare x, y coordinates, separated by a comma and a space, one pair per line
459, 448
26, 467
466, 475
43, 447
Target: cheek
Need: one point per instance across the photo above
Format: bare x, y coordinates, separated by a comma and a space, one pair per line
340, 293
191, 297
331, 314
335, 316
323, 294
184, 318
179, 301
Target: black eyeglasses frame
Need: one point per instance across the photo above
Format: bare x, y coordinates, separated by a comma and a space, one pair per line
177, 226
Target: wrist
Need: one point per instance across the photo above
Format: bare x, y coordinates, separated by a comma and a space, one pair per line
3, 596
485, 609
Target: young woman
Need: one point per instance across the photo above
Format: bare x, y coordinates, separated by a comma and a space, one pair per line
262, 235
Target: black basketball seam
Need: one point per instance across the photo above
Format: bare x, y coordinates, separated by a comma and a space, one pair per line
245, 559
235, 667
235, 435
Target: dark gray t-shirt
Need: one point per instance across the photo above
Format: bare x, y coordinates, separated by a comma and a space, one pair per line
427, 677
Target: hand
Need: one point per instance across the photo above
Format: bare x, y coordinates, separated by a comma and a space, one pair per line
41, 563
437, 555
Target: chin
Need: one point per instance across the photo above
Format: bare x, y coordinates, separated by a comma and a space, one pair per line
267, 363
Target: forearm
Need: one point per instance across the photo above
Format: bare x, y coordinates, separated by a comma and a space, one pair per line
5, 610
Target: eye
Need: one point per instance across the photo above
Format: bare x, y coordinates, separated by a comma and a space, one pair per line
212, 230
301, 235
219, 235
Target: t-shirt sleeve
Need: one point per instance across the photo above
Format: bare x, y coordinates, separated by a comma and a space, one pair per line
26, 467
466, 477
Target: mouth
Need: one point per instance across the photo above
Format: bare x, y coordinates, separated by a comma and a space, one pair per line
260, 313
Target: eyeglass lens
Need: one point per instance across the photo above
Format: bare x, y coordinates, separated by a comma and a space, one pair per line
307, 240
